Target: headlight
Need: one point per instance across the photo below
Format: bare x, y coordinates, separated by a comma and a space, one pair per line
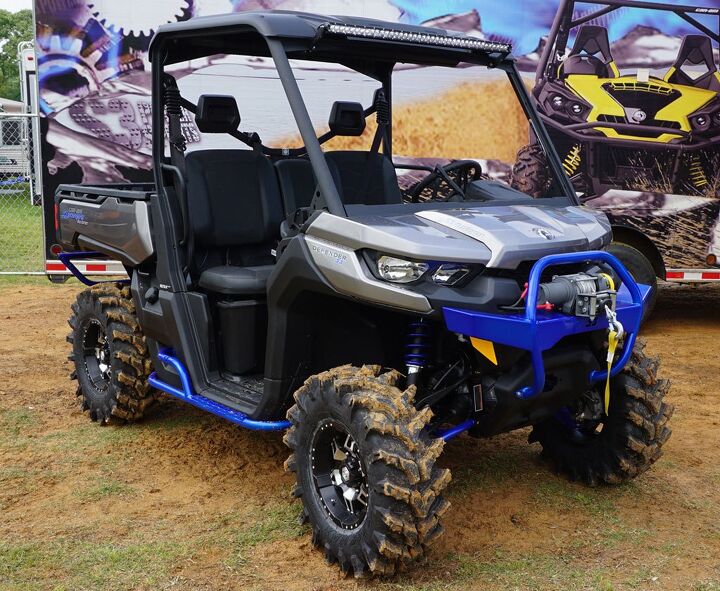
701, 122
716, 118
558, 101
450, 273
400, 270
577, 108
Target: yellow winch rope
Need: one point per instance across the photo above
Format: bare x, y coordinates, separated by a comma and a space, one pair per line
613, 340
612, 345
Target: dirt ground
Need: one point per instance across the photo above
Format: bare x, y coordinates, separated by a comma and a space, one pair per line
184, 500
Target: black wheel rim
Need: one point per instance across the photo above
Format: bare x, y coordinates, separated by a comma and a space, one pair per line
96, 355
339, 475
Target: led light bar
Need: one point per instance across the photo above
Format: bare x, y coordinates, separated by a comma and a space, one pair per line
458, 41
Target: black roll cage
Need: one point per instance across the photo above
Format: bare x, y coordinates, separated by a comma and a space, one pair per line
564, 23
250, 35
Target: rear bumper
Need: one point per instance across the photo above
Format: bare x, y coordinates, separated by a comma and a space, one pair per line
537, 331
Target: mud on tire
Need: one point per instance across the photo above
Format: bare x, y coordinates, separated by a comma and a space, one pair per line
111, 358
633, 433
404, 503
530, 174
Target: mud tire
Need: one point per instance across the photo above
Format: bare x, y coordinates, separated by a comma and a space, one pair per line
125, 394
632, 437
405, 503
530, 174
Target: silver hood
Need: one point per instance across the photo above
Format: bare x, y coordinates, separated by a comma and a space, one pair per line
499, 236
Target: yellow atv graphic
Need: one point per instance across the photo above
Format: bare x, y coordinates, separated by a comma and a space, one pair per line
642, 130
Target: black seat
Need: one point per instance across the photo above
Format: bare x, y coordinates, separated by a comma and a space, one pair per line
365, 178
357, 183
297, 183
590, 54
230, 280
695, 50
234, 206
361, 177
235, 213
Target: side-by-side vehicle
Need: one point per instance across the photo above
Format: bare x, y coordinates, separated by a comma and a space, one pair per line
294, 289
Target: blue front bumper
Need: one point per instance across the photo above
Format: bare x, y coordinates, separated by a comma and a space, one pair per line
537, 331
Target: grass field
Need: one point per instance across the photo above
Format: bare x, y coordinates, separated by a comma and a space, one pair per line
21, 240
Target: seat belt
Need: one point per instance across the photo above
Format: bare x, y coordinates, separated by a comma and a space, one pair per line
382, 117
178, 145
173, 108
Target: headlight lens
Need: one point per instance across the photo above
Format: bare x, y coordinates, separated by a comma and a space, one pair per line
398, 270
701, 122
450, 273
558, 101
577, 108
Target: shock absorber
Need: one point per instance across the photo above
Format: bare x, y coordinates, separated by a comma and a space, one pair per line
697, 173
572, 161
417, 349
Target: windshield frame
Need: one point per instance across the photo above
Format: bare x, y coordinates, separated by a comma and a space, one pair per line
366, 57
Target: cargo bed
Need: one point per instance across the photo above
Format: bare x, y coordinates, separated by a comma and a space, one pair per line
111, 219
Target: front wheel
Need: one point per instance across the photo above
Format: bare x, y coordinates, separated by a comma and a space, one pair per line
585, 445
365, 469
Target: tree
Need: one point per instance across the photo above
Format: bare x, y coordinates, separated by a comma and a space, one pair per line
14, 28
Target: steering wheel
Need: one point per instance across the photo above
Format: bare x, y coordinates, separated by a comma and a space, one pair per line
445, 182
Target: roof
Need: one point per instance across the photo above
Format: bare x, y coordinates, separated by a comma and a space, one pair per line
302, 32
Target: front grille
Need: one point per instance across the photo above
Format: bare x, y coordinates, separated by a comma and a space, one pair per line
641, 87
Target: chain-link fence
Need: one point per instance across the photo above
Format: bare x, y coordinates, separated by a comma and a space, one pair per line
21, 238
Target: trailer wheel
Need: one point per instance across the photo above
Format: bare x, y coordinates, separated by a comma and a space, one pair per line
640, 268
530, 174
622, 445
111, 358
365, 470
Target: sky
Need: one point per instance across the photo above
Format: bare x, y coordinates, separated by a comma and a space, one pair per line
15, 5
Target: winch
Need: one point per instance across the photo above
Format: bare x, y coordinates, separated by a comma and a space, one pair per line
586, 294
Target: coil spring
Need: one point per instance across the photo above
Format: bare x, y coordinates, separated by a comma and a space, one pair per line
173, 104
572, 161
697, 174
417, 348
382, 108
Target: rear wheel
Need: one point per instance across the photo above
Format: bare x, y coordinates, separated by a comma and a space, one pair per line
530, 174
365, 469
111, 358
586, 445
640, 268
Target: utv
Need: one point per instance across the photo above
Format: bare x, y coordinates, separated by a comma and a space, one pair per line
621, 130
293, 289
